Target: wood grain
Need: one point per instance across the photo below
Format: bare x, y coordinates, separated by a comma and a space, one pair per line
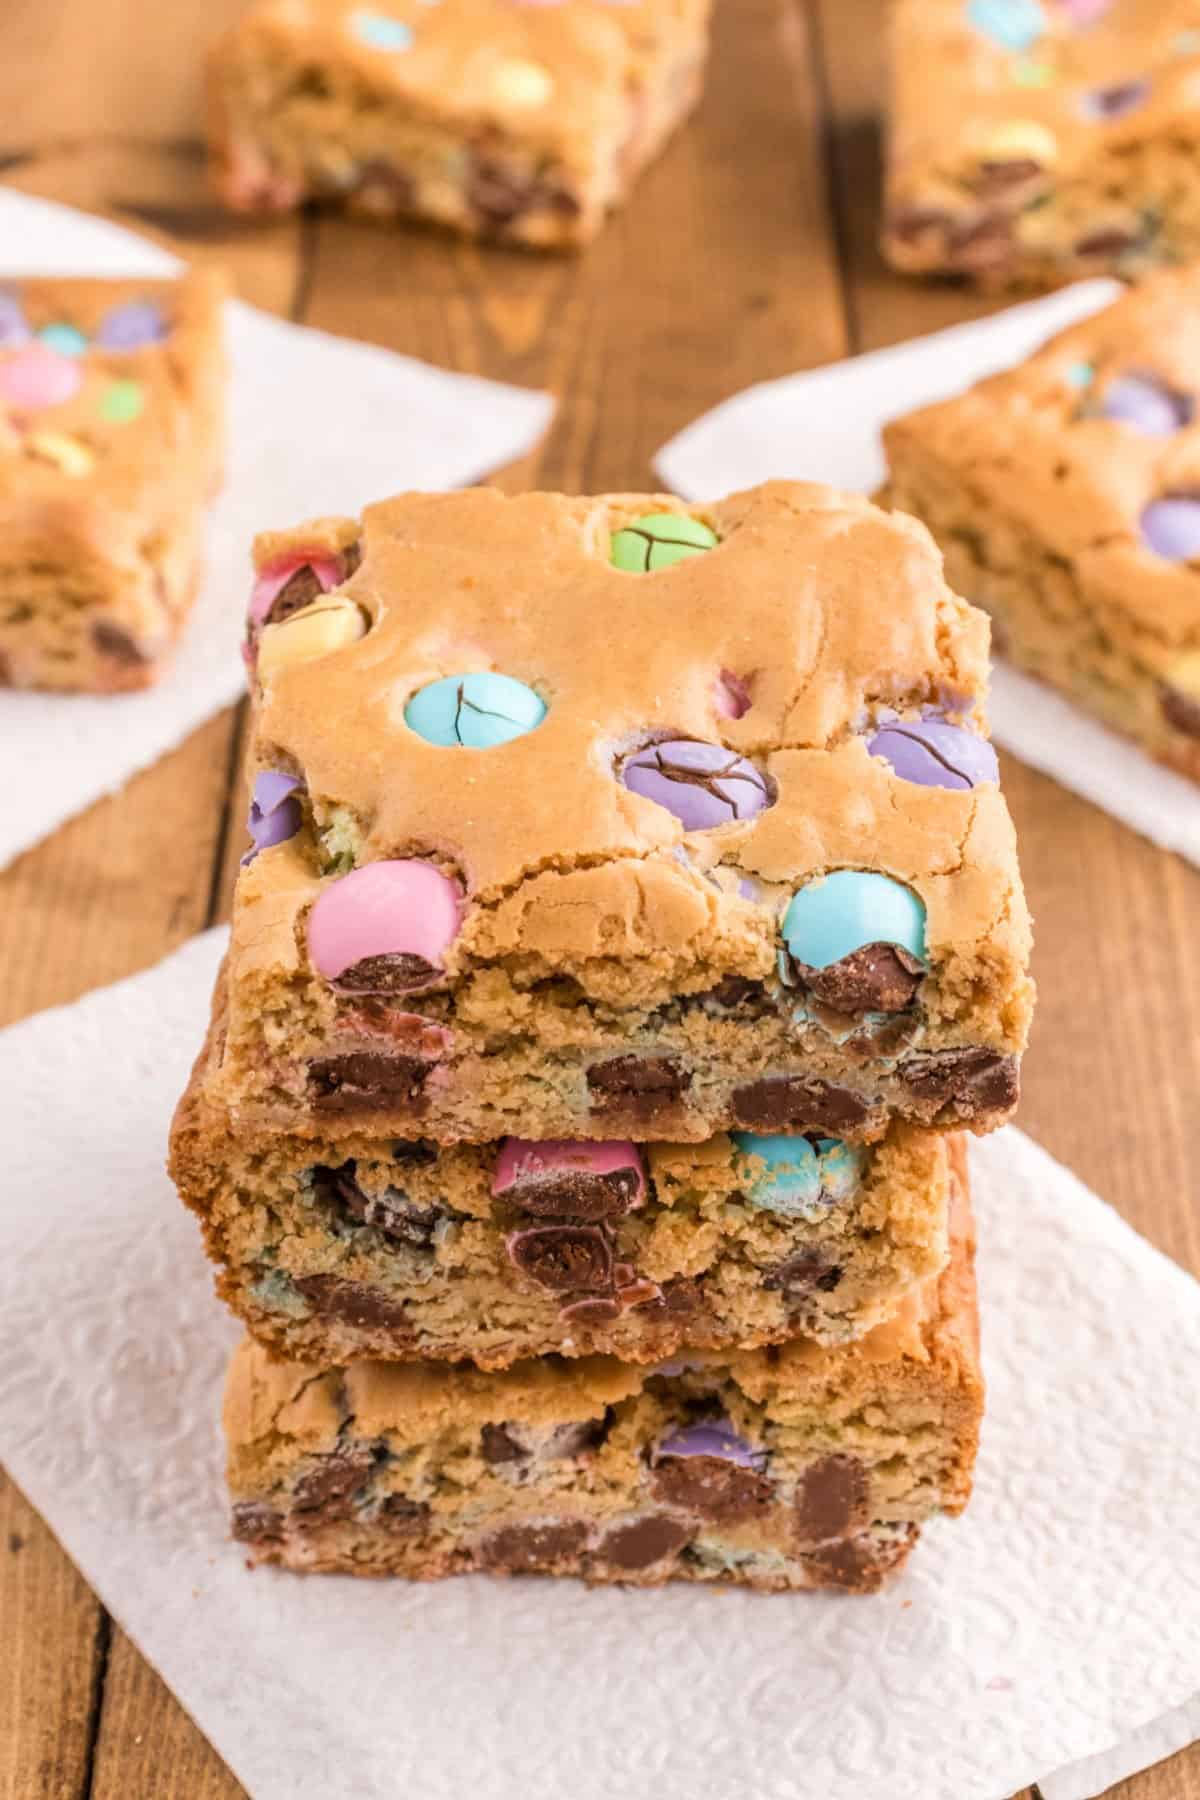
748, 252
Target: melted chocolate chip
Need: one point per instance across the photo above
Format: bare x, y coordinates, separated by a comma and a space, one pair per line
564, 1258
575, 1194
395, 972
740, 992
878, 978
711, 1488
801, 1274
681, 1296
793, 1102
327, 1489
997, 177
497, 1445
496, 195
644, 1542
831, 1499
392, 1212
973, 1082
859, 1564
522, 1549
1180, 711
596, 1310
116, 643
643, 1086
366, 1079
402, 1516
254, 1522
303, 587
416, 1153
353, 1302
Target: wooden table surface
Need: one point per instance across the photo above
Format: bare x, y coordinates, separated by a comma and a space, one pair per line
748, 252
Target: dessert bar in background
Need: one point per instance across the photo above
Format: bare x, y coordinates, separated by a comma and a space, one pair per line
523, 123
360, 1247
111, 413
1066, 497
613, 818
793, 1468
1034, 141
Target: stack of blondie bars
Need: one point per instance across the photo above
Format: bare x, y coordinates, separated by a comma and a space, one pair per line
631, 931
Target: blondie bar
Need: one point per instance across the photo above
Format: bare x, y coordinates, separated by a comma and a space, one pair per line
1033, 141
611, 818
331, 1250
525, 123
111, 407
1066, 497
793, 1467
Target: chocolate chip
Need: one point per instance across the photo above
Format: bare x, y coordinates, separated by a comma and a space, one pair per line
353, 1302
326, 1490
367, 1079
644, 1086
522, 1549
352, 557
498, 196
253, 1522
593, 1311
972, 1082
303, 587
800, 1274
996, 177
740, 992
575, 1193
395, 972
116, 643
794, 1102
644, 1541
711, 1487
859, 1564
1113, 242
415, 1153
497, 1445
1181, 711
402, 1516
681, 1296
564, 1258
391, 1212
831, 1499
879, 978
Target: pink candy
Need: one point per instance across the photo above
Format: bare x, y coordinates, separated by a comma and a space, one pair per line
521, 1160
38, 377
403, 908
731, 695
276, 575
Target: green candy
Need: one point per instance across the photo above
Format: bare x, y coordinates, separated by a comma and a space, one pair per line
122, 402
658, 540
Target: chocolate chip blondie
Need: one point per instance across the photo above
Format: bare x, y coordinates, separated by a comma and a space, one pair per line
613, 818
1034, 141
1066, 497
521, 122
331, 1250
111, 408
788, 1468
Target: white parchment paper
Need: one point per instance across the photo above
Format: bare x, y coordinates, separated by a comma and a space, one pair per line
824, 425
1056, 1622
319, 425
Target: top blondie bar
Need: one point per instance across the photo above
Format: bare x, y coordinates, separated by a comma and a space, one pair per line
500, 120
1034, 141
583, 817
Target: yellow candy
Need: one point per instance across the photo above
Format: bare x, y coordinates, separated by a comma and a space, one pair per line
520, 83
1018, 140
66, 453
1184, 675
328, 624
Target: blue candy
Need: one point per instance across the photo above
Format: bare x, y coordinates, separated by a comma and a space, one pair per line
799, 1179
1013, 24
64, 338
479, 711
380, 31
840, 913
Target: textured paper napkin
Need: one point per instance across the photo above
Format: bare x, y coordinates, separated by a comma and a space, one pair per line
824, 425
319, 425
1061, 1615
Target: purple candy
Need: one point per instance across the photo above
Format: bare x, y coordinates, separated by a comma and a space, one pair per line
702, 784
1171, 527
933, 753
715, 1437
130, 326
275, 813
1115, 101
1147, 404
14, 327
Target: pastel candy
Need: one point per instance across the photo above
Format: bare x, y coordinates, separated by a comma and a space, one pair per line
385, 927
274, 577
275, 812
38, 377
1116, 101
840, 913
702, 784
565, 1178
798, 1178
933, 753
1171, 527
1080, 374
712, 1437
731, 695
1084, 12
314, 631
381, 32
63, 338
14, 327
841, 1168
478, 711
657, 540
1013, 24
122, 402
132, 325
1146, 404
